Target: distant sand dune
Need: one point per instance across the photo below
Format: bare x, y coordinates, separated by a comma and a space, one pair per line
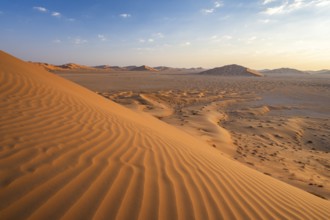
144, 68
231, 70
69, 153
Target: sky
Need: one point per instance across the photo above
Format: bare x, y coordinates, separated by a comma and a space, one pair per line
260, 34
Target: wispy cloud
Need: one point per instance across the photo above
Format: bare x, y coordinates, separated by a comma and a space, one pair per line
101, 37
321, 3
41, 9
265, 2
288, 6
148, 40
218, 4
223, 38
208, 11
152, 38
276, 10
125, 15
186, 44
211, 10
56, 14
79, 41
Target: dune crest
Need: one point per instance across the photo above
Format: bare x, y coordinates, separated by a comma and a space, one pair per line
285, 71
69, 153
231, 70
48, 67
144, 68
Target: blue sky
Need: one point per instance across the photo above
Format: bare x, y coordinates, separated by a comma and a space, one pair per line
179, 33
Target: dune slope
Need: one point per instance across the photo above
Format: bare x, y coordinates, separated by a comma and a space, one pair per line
231, 70
68, 153
144, 68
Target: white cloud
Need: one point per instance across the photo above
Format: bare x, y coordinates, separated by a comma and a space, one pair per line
125, 15
321, 3
79, 41
297, 4
52, 13
41, 9
101, 37
265, 2
216, 5
275, 10
152, 38
288, 6
217, 39
56, 14
186, 44
208, 11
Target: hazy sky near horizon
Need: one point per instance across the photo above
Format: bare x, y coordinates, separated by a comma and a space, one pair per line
180, 33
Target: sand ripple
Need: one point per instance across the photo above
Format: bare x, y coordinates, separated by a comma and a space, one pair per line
69, 153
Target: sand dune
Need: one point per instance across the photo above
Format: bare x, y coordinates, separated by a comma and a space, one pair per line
71, 66
231, 70
48, 67
284, 71
144, 68
65, 67
69, 153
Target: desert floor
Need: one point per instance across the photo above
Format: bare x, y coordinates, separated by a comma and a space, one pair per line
69, 153
278, 125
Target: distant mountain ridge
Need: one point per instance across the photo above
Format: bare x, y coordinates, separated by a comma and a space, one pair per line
103, 67
325, 71
110, 68
64, 67
144, 68
291, 71
71, 66
232, 70
284, 71
227, 70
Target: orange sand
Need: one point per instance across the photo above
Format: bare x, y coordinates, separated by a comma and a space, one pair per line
69, 153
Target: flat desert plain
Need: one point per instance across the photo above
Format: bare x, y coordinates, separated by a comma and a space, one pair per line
279, 125
177, 146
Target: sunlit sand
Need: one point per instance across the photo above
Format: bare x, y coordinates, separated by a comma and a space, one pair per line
69, 153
